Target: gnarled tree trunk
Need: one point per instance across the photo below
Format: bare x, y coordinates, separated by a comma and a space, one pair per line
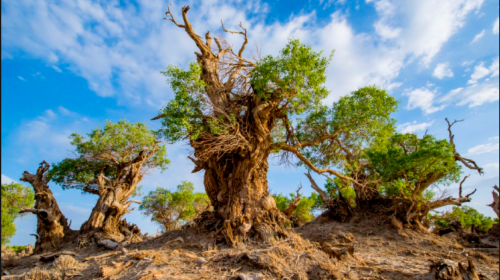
236, 184
105, 221
52, 226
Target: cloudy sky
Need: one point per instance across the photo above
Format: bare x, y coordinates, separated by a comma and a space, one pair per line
67, 66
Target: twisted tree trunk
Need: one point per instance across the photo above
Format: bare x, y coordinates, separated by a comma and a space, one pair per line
237, 187
105, 221
52, 225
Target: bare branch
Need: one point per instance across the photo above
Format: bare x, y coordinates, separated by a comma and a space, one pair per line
322, 193
135, 201
469, 163
496, 203
460, 187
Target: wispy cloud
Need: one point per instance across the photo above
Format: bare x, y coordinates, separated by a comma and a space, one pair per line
423, 99
21, 78
483, 149
478, 36
442, 70
414, 127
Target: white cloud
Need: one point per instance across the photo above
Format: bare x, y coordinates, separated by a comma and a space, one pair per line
413, 127
495, 27
422, 98
473, 95
478, 36
7, 180
494, 138
442, 70
123, 53
480, 71
483, 149
426, 24
21, 78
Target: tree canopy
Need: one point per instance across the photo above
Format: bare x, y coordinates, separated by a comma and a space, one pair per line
110, 150
172, 209
15, 197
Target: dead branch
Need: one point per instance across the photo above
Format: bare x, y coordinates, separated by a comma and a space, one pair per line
37, 236
495, 204
469, 163
114, 253
322, 193
294, 204
115, 269
53, 256
460, 187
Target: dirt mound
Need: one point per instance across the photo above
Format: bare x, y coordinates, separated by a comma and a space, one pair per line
322, 249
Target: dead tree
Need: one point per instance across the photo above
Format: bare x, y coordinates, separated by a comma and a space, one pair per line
52, 226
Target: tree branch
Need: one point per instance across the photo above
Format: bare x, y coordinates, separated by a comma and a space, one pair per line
309, 164
469, 163
460, 186
323, 194
294, 204
496, 203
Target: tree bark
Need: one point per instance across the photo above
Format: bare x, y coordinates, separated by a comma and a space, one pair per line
237, 188
52, 225
496, 203
105, 221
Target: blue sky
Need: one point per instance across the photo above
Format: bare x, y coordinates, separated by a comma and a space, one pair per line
67, 66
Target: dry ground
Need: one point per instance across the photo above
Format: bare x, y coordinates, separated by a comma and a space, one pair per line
322, 249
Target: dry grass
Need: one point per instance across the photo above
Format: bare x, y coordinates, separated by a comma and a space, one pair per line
10, 260
68, 266
41, 274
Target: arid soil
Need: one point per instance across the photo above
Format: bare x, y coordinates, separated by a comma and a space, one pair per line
322, 249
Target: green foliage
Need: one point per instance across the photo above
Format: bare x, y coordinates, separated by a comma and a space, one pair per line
408, 165
333, 187
305, 209
15, 197
107, 149
183, 114
16, 248
467, 216
297, 75
172, 209
359, 120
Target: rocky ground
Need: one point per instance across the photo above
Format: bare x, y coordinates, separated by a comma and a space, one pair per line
322, 249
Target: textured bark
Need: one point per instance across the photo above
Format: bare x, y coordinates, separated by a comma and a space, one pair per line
105, 221
237, 187
496, 203
52, 225
235, 163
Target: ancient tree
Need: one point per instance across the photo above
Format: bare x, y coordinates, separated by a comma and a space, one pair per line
52, 226
110, 162
235, 112
393, 175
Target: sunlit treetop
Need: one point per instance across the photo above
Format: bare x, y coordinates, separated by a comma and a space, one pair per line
111, 150
409, 164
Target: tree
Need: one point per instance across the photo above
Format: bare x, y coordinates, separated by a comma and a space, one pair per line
110, 162
392, 176
52, 226
15, 197
172, 209
303, 211
236, 112
467, 216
